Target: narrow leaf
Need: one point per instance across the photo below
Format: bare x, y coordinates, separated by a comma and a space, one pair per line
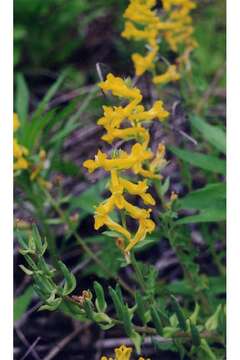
206, 162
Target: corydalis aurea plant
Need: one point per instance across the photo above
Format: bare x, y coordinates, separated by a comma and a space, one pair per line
141, 161
174, 25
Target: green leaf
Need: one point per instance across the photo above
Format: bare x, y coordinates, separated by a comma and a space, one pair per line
162, 188
88, 307
49, 95
156, 320
51, 307
100, 298
213, 134
206, 162
37, 239
26, 270
203, 198
179, 313
21, 303
212, 322
119, 306
213, 214
127, 324
206, 350
140, 310
73, 122
22, 98
45, 286
137, 341
33, 129
194, 316
195, 335
70, 280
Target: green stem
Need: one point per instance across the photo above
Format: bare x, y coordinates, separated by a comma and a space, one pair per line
138, 273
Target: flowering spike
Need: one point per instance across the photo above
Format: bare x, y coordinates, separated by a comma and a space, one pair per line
140, 160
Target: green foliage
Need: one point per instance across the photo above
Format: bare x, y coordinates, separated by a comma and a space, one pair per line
202, 161
211, 133
57, 295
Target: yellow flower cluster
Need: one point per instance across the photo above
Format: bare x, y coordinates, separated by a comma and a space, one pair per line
122, 353
126, 122
19, 151
175, 26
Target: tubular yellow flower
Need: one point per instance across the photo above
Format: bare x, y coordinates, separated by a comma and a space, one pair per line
122, 353
135, 212
115, 226
140, 12
145, 226
170, 75
119, 88
157, 111
138, 189
131, 31
144, 63
126, 133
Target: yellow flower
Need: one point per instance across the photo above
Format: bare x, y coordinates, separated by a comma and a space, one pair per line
122, 353
141, 13
170, 75
19, 151
116, 227
138, 189
143, 63
119, 88
131, 31
126, 134
16, 122
145, 226
101, 218
124, 161
157, 111
102, 211
136, 212
20, 164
